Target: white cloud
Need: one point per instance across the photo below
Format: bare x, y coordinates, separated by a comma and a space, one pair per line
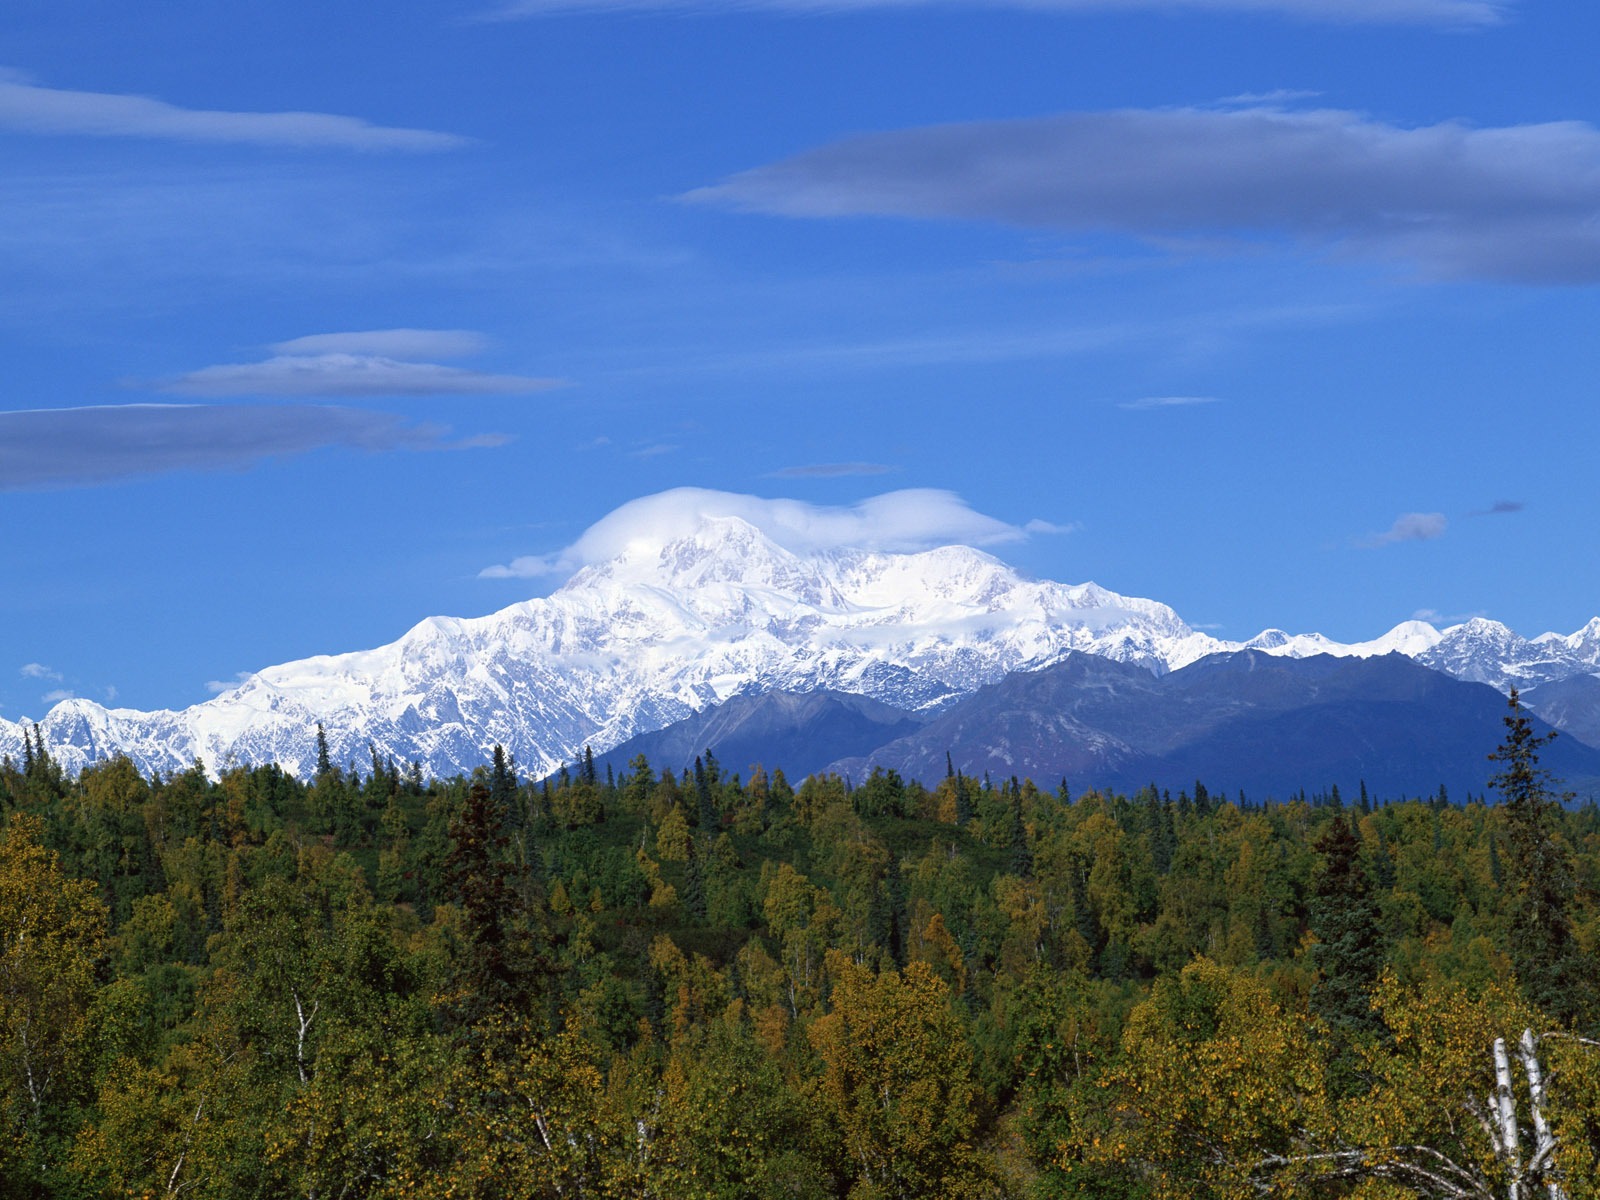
1514, 203
1038, 526
1408, 527
35, 670
58, 695
1420, 12
1434, 617
1148, 402
347, 375
26, 107
217, 686
389, 343
912, 519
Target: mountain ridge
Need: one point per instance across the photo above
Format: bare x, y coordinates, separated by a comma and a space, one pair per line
671, 625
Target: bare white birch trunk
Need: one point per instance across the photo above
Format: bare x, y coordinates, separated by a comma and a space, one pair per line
1544, 1141
1505, 1109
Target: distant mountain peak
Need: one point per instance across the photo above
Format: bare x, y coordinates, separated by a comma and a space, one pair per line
678, 602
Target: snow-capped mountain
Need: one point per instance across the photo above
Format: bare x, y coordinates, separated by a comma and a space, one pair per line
672, 624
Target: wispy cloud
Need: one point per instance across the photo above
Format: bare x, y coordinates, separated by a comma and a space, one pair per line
1499, 508
913, 519
378, 362
653, 450
35, 670
389, 343
346, 375
1512, 204
1149, 402
57, 695
76, 447
1051, 527
217, 686
1434, 617
1407, 527
838, 470
27, 107
1449, 13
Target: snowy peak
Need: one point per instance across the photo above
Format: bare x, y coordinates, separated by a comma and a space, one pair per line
677, 603
719, 551
1486, 651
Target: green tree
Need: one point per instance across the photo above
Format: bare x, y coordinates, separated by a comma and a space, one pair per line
1553, 972
1348, 952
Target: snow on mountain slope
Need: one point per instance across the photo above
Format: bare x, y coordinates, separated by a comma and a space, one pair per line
671, 623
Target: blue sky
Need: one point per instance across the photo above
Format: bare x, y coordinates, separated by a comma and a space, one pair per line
1283, 309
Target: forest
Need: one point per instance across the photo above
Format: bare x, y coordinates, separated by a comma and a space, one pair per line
716, 982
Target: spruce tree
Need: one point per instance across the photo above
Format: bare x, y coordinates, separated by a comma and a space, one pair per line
706, 808
694, 883
1550, 965
477, 874
503, 786
324, 760
1348, 952
1021, 855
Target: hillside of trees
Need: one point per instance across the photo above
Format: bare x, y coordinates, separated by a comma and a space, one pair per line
722, 983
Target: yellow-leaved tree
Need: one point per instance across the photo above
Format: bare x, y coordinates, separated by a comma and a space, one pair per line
1218, 1089
51, 928
897, 1083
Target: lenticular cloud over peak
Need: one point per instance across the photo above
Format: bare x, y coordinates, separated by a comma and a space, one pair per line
902, 521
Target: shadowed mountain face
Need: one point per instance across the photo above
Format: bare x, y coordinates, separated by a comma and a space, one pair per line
1247, 720
1572, 705
801, 733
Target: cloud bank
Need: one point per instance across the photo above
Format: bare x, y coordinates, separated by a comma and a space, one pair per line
1511, 204
26, 107
1450, 13
76, 447
907, 520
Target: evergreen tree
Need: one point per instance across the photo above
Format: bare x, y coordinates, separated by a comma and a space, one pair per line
694, 883
1348, 953
497, 964
706, 810
1550, 965
1021, 856
324, 760
503, 786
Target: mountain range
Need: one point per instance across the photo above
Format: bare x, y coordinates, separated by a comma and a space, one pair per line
671, 626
